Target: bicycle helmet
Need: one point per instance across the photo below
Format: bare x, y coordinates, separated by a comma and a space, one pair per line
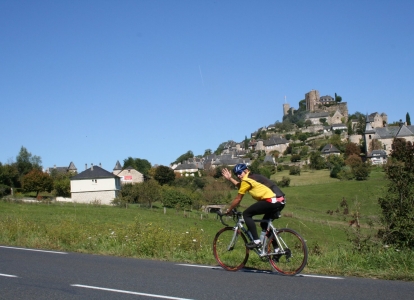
239, 168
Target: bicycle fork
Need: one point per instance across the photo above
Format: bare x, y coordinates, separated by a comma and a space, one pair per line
234, 238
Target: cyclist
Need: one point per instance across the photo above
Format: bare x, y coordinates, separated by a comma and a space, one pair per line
268, 195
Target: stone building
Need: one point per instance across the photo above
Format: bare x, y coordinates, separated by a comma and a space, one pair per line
312, 100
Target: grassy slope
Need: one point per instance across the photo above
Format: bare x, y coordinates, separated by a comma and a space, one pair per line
309, 198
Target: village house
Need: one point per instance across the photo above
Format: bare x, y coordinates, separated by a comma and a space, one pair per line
129, 175
94, 185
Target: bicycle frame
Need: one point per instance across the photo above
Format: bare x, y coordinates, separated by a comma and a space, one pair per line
262, 252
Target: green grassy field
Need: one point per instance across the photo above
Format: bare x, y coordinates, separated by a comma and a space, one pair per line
187, 236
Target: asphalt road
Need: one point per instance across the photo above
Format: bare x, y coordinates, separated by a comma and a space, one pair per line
34, 274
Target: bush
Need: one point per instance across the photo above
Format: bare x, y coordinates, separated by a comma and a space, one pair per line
4, 190
335, 171
361, 171
345, 174
294, 170
267, 171
285, 182
176, 197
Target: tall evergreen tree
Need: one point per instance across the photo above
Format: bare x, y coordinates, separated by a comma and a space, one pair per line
407, 119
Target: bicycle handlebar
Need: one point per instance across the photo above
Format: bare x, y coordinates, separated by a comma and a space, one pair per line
235, 214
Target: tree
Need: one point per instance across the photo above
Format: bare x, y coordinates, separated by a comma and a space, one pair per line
407, 119
141, 165
220, 148
176, 197
9, 175
148, 192
303, 137
61, 184
26, 162
308, 123
397, 205
317, 162
186, 156
350, 129
164, 175
352, 148
360, 126
323, 121
37, 181
335, 161
361, 171
353, 160
207, 152
246, 142
338, 98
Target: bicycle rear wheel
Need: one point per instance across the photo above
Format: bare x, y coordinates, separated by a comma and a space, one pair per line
229, 248
293, 252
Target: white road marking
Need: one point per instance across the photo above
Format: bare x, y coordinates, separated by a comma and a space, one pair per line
127, 292
305, 275
319, 276
198, 266
37, 250
7, 275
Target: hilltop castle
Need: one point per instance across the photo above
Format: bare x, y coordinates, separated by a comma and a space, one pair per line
318, 107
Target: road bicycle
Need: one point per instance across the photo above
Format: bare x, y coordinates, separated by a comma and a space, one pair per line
284, 248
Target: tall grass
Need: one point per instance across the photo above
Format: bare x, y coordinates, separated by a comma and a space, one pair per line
186, 236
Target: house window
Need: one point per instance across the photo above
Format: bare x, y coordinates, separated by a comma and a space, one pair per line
369, 136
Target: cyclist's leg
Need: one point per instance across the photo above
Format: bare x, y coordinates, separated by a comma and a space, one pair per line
269, 214
278, 206
258, 208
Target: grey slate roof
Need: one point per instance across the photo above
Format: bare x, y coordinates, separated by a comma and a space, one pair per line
329, 148
94, 172
378, 153
275, 141
394, 131
118, 166
72, 167
404, 131
186, 167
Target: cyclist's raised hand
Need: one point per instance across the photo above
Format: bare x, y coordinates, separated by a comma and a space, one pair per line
226, 173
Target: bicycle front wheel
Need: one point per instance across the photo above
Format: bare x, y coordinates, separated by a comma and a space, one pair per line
290, 252
229, 248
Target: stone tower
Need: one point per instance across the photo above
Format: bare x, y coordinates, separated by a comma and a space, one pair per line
286, 108
312, 100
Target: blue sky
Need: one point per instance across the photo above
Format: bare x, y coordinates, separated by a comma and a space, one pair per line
99, 81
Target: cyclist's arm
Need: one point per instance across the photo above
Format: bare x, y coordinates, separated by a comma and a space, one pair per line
235, 202
227, 174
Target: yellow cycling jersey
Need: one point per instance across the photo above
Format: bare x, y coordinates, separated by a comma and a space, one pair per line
258, 190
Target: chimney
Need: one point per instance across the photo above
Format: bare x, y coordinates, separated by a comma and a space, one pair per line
91, 167
100, 165
86, 166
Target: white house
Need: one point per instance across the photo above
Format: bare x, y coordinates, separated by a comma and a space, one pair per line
95, 185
